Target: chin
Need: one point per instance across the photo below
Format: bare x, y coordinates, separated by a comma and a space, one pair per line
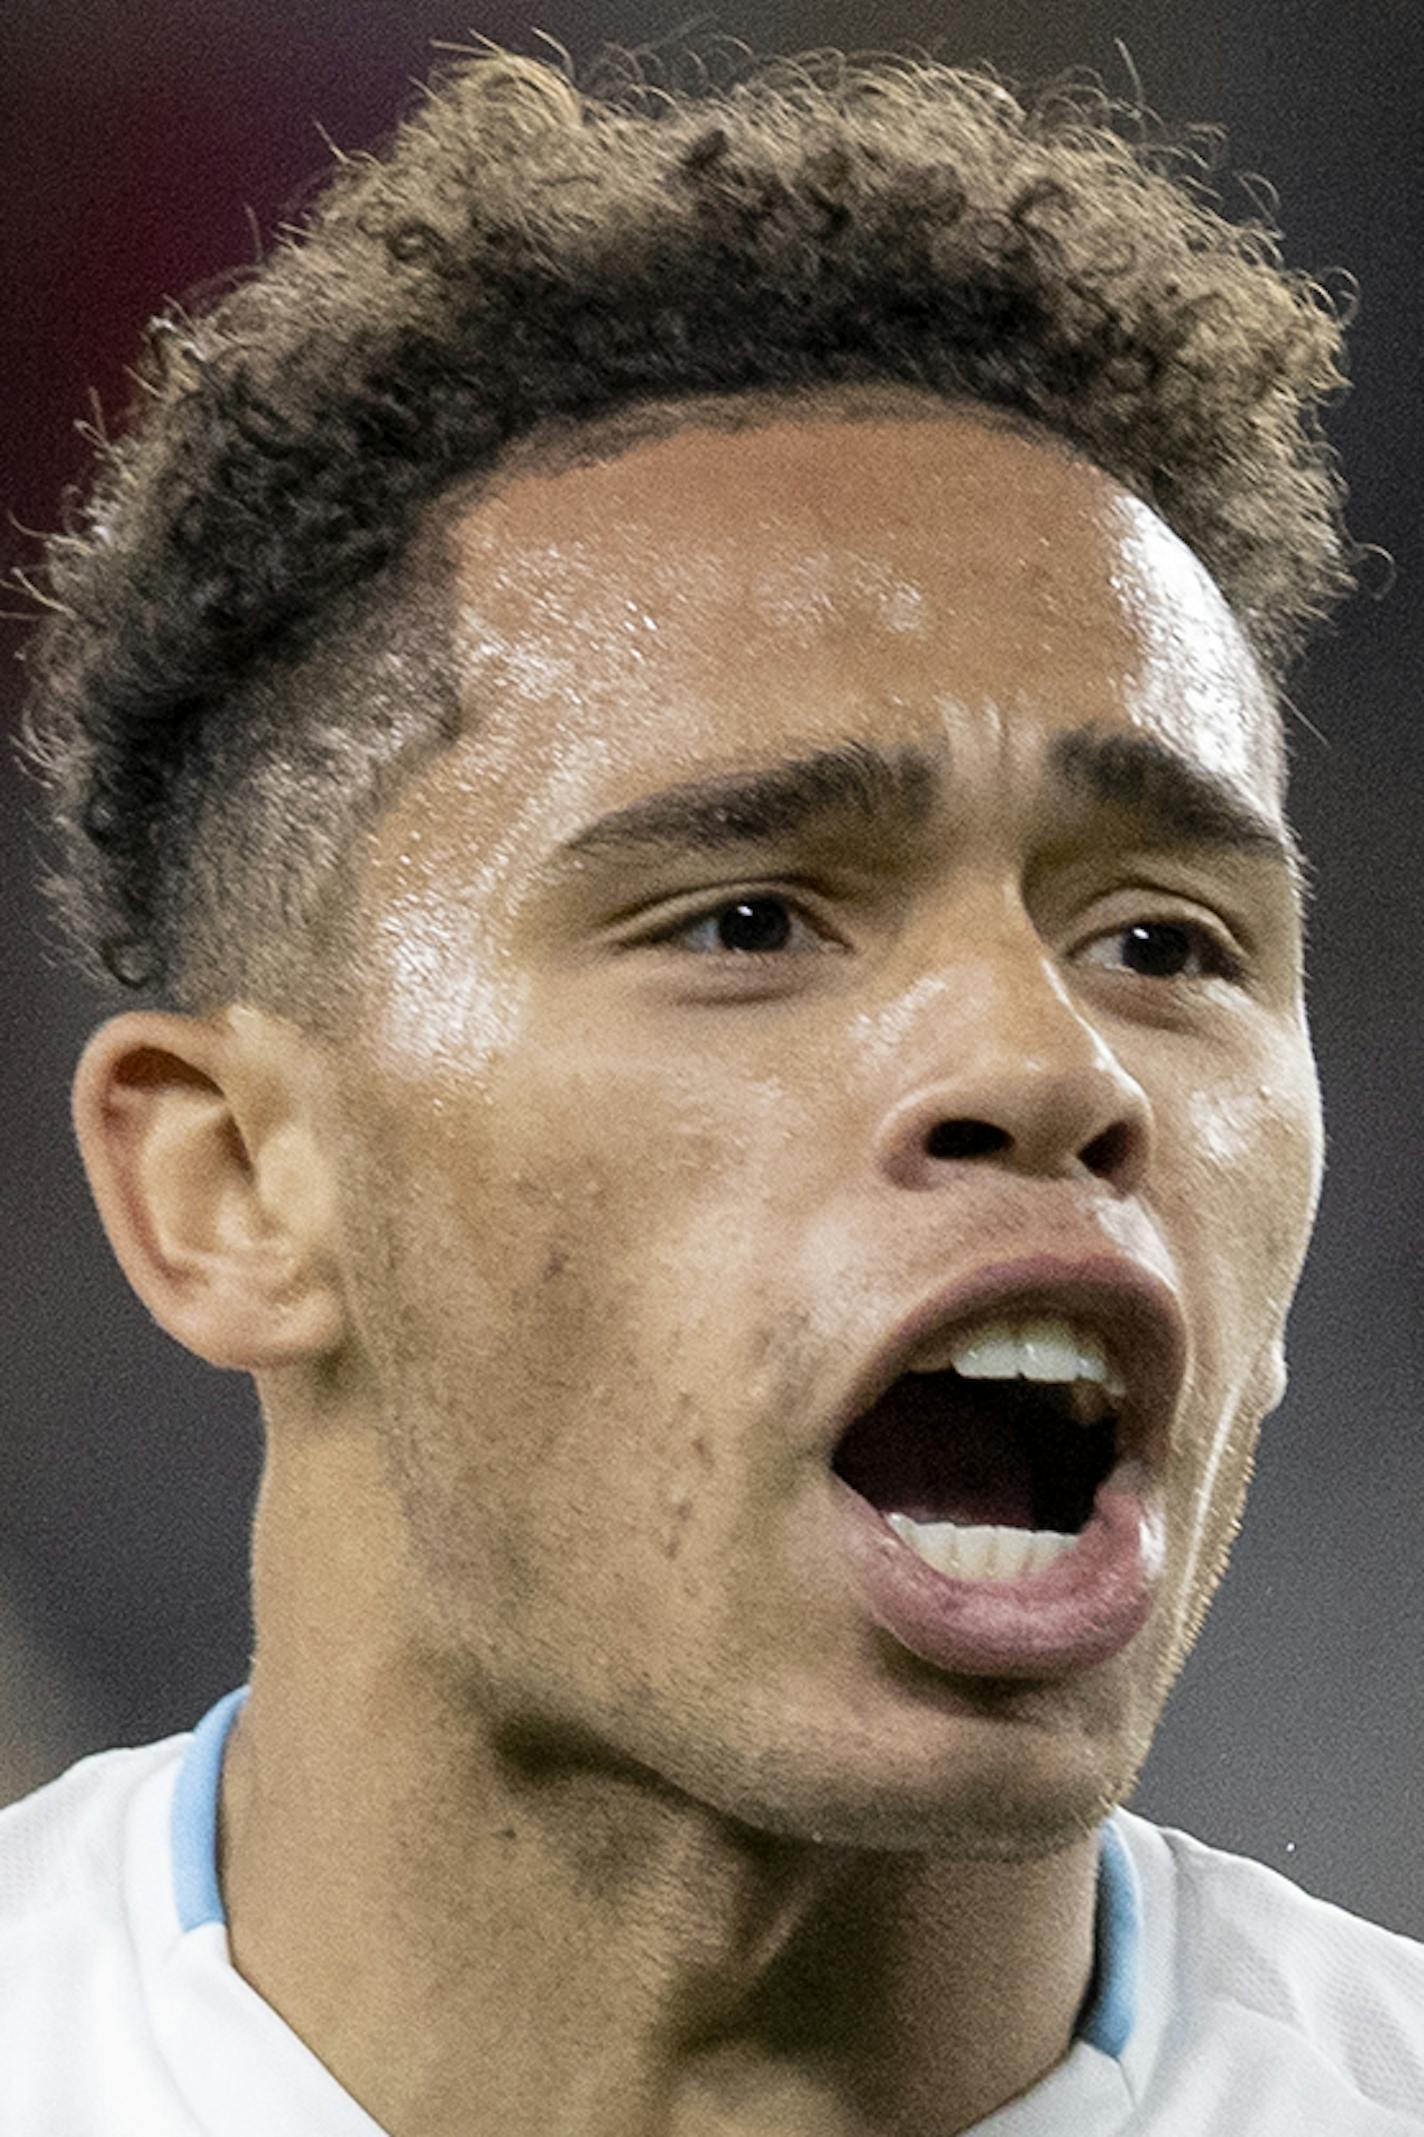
996, 1794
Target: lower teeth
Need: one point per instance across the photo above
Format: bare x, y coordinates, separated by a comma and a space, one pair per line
980, 1553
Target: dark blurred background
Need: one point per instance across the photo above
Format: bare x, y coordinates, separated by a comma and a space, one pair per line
144, 150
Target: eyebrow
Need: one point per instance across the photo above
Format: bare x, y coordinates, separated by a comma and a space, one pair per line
747, 808
1174, 799
1178, 800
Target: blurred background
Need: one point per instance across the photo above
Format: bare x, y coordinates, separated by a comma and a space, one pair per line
148, 149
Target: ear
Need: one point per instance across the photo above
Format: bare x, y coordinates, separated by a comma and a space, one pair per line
198, 1141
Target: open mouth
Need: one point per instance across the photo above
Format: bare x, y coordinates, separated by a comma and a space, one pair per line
955, 1459
998, 1472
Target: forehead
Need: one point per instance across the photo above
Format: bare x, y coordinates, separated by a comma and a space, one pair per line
714, 603
702, 597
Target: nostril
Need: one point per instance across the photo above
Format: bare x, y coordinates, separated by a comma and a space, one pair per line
964, 1139
1109, 1152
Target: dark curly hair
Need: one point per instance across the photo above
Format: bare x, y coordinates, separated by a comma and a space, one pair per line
245, 640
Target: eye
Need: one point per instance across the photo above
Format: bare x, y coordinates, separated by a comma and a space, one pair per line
1157, 949
758, 925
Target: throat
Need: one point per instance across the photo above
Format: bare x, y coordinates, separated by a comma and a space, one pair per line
974, 1468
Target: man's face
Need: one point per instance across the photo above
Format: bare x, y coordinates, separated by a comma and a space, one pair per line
653, 1145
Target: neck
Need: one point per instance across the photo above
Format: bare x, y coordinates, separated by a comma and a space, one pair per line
457, 1912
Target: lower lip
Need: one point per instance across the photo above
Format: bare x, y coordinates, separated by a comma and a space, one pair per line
1078, 1612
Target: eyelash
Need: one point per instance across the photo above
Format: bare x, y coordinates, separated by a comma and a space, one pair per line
1227, 964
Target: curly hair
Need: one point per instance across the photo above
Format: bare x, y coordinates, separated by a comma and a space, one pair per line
247, 628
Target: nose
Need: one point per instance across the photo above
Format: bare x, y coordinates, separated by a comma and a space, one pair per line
1018, 1079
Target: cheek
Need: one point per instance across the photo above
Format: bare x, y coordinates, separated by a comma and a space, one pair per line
576, 1245
1247, 1192
1251, 1184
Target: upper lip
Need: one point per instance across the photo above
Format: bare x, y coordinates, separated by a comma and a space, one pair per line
1134, 1309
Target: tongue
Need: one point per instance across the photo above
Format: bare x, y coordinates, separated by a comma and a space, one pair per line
941, 1449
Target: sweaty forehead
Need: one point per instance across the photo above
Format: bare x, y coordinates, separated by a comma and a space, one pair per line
723, 505
915, 554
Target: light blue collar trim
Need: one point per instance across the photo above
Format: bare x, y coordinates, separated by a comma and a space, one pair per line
1106, 2020
194, 1824
1110, 2012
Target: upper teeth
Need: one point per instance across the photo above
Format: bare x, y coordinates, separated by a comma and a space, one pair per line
1024, 1347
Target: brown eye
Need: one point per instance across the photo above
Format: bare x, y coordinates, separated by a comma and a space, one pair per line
757, 926
1163, 949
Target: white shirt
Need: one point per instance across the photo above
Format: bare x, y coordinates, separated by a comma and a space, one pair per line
1225, 2002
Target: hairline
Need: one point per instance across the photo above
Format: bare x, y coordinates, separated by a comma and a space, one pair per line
562, 444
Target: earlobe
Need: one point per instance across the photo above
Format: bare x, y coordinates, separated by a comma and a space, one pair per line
191, 1146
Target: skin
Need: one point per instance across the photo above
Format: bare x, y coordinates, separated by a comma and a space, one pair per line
577, 1791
